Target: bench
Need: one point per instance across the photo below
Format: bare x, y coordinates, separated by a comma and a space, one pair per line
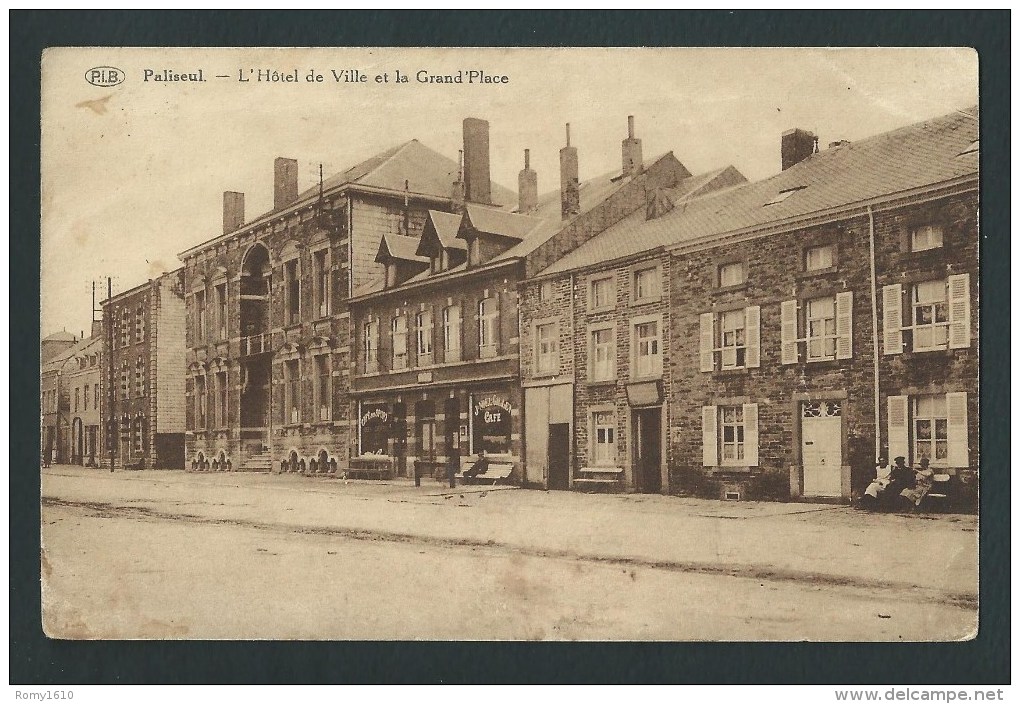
370, 468
494, 472
608, 477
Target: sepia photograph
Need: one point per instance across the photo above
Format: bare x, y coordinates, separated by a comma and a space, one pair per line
510, 344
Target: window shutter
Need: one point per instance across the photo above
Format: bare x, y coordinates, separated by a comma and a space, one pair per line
844, 325
788, 332
897, 422
956, 409
752, 323
959, 311
709, 436
892, 319
751, 434
707, 342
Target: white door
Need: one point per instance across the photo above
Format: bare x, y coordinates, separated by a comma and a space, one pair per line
822, 448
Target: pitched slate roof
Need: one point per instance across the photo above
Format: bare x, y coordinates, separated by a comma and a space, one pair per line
399, 247
61, 336
920, 155
498, 222
57, 363
427, 172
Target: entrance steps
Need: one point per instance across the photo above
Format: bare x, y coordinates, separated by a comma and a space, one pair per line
258, 462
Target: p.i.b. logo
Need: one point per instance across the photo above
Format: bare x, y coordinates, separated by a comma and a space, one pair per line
105, 76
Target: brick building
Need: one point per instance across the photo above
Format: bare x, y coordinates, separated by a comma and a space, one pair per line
54, 400
143, 336
268, 326
83, 373
438, 373
803, 323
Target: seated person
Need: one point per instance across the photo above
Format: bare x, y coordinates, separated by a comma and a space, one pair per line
924, 478
870, 497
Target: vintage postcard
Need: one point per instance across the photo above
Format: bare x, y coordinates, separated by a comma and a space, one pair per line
510, 344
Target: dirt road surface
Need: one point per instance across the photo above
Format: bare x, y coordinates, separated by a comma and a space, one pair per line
181, 555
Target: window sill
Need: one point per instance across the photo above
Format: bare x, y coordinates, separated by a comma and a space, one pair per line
545, 375
646, 301
812, 273
733, 288
602, 382
605, 309
822, 363
933, 255
731, 469
737, 371
943, 353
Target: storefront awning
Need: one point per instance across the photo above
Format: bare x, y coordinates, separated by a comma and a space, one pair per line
645, 393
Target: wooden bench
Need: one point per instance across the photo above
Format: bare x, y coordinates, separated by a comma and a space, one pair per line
607, 477
370, 468
494, 472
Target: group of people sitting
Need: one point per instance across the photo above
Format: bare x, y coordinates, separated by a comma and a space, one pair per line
898, 487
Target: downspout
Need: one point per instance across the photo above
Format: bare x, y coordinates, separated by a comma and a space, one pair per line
874, 330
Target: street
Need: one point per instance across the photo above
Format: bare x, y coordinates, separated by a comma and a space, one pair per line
168, 554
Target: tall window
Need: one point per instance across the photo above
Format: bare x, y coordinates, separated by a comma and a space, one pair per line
136, 435
931, 315
423, 337
731, 274
200, 402
821, 328
369, 341
221, 311
321, 266
733, 344
648, 355
293, 283
77, 398
84, 397
139, 324
488, 312
646, 284
221, 400
546, 348
931, 429
545, 291
139, 377
125, 327
604, 430
200, 314
398, 333
323, 397
603, 293
451, 333
125, 380
292, 389
603, 354
731, 420
925, 237
95, 399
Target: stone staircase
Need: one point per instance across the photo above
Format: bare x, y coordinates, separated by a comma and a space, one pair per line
258, 462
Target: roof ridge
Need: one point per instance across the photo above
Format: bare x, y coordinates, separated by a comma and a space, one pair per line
395, 151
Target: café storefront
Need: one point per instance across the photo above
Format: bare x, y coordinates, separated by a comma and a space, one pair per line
442, 427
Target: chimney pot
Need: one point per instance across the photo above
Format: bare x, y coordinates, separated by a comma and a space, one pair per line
796, 146
285, 182
477, 181
633, 162
233, 211
527, 186
570, 198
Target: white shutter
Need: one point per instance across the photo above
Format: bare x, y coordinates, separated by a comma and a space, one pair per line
844, 325
892, 319
752, 324
707, 342
956, 409
897, 424
959, 311
751, 434
788, 332
709, 436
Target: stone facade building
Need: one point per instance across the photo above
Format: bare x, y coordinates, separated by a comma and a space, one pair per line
803, 324
54, 398
142, 396
83, 373
269, 339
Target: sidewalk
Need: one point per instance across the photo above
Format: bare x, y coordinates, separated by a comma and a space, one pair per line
804, 542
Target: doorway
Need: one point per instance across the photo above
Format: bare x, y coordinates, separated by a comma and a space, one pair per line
559, 456
648, 450
821, 432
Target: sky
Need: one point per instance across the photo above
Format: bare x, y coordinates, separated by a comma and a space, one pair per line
134, 174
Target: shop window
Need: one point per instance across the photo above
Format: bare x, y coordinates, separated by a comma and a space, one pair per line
374, 424
491, 424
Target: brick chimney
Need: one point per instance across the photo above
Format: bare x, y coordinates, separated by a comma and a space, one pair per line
97, 328
632, 163
477, 184
285, 190
233, 211
570, 198
457, 191
797, 145
527, 186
